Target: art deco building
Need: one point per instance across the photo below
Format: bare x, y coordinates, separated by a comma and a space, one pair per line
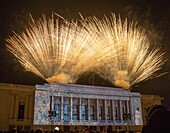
79, 105
68, 106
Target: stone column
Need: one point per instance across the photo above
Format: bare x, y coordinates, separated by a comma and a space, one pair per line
71, 108
79, 108
16, 107
61, 107
113, 111
127, 104
132, 111
97, 109
12, 107
31, 108
88, 109
121, 113
50, 106
26, 107
105, 111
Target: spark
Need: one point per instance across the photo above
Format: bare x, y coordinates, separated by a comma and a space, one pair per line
54, 49
60, 51
129, 58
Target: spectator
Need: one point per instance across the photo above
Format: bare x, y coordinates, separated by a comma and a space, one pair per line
109, 129
13, 130
76, 130
39, 130
157, 120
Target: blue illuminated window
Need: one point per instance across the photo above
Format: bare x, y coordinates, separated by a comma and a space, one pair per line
100, 113
116, 112
57, 109
91, 112
66, 112
83, 112
108, 112
75, 112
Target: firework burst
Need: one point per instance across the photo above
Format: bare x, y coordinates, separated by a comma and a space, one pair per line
128, 58
55, 50
60, 51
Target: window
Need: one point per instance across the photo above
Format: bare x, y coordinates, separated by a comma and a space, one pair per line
21, 110
100, 113
91, 112
125, 110
123, 113
83, 112
108, 112
75, 112
65, 112
57, 110
116, 112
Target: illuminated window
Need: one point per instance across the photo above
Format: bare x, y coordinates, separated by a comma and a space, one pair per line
57, 110
100, 113
108, 112
75, 112
65, 112
116, 112
124, 110
21, 110
91, 112
116, 109
83, 112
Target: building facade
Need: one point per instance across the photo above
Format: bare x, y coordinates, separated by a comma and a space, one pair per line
147, 101
68, 106
16, 107
80, 105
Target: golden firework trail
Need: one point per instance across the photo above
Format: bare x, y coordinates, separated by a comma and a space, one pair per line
60, 51
54, 49
129, 59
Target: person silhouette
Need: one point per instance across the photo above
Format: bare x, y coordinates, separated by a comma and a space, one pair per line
157, 120
109, 129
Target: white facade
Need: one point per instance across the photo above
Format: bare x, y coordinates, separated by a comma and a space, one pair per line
71, 104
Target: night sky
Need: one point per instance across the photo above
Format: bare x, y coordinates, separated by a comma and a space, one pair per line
152, 15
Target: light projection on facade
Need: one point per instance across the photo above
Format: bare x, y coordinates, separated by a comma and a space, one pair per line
70, 104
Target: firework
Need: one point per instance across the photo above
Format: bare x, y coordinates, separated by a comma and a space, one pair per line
54, 49
60, 51
128, 59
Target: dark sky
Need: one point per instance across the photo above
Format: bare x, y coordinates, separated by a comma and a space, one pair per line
154, 15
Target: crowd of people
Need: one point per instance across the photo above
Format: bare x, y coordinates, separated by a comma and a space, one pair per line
157, 121
90, 129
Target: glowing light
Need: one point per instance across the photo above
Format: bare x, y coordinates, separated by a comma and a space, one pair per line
129, 59
55, 50
60, 51
56, 128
